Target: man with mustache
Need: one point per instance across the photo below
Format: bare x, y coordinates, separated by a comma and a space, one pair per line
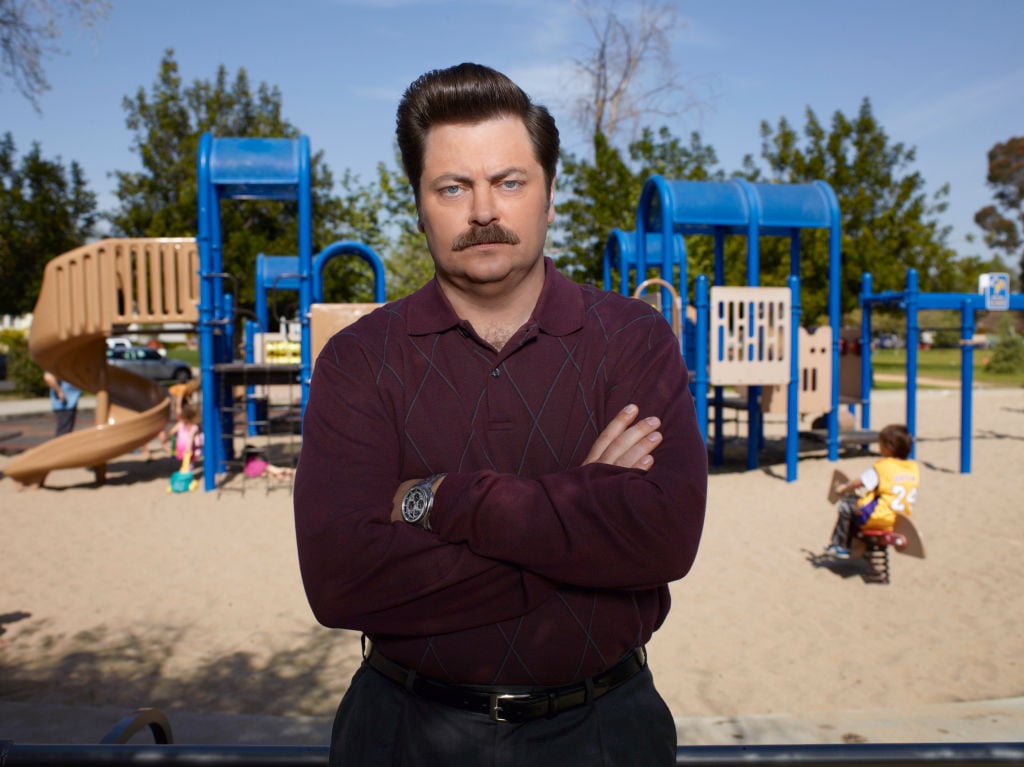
500, 473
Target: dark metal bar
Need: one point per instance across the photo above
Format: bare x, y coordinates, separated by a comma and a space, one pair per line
845, 755
153, 718
855, 754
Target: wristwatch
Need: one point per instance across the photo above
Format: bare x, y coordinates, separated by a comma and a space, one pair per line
418, 501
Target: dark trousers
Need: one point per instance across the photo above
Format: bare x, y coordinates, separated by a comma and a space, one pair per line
65, 421
842, 534
380, 724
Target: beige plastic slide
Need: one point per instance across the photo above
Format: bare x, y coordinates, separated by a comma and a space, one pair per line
85, 294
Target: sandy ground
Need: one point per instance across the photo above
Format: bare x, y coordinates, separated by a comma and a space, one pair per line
121, 596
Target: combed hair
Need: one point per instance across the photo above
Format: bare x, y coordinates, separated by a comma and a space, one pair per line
469, 93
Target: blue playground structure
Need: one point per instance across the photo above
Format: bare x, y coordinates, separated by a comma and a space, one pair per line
995, 297
737, 334
255, 169
743, 337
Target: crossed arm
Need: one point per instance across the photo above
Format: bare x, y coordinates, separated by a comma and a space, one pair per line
625, 442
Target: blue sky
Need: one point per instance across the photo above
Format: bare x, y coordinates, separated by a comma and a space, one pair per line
942, 75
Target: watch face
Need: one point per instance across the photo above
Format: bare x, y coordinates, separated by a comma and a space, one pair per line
415, 503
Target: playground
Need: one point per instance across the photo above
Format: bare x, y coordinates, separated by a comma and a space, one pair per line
746, 346
154, 603
192, 603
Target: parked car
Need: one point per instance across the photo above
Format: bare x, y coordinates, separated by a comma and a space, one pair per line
118, 342
149, 363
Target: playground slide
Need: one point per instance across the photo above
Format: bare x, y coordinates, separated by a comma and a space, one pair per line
85, 294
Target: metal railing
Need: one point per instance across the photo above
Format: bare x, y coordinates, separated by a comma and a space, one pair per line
115, 751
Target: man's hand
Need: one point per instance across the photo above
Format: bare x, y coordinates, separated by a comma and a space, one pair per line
625, 445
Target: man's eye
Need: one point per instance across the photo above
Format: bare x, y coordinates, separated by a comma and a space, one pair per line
511, 185
451, 191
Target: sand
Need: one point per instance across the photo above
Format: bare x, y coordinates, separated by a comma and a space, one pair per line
122, 595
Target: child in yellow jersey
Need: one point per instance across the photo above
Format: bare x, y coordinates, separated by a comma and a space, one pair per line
890, 488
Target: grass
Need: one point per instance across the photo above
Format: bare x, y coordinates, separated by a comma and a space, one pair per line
941, 363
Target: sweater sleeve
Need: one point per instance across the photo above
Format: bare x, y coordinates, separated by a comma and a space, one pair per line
360, 570
599, 526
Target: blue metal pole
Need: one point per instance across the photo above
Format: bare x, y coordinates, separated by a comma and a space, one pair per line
207, 233
913, 334
866, 373
835, 286
700, 365
793, 390
755, 421
348, 248
966, 384
305, 203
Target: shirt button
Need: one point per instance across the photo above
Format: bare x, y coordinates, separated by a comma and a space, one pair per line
495, 373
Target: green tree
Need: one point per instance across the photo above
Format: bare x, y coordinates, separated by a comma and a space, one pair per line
1008, 353
889, 223
407, 260
161, 199
45, 210
602, 194
1003, 223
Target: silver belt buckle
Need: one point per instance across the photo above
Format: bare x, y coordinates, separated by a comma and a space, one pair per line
496, 701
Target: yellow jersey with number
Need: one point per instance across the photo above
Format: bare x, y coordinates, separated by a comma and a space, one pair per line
895, 492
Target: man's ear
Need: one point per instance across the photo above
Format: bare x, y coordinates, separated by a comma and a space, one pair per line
551, 203
419, 224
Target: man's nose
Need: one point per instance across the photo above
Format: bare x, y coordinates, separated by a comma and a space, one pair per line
484, 211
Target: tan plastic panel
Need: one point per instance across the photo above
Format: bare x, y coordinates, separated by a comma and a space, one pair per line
86, 292
327, 319
749, 336
815, 384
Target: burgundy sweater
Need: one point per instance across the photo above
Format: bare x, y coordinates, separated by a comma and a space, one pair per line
538, 570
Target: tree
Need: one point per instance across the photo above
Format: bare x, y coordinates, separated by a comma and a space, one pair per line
45, 210
628, 73
603, 194
161, 200
408, 261
1003, 223
888, 222
27, 34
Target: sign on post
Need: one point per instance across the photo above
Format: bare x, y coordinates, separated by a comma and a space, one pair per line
995, 286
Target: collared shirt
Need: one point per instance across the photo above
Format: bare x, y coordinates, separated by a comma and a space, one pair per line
537, 570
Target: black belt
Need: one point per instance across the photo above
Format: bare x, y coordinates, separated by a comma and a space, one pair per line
510, 704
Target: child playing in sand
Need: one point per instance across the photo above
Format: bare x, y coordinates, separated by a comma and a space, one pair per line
889, 488
256, 464
186, 437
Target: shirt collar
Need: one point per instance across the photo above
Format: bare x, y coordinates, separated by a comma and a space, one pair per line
559, 309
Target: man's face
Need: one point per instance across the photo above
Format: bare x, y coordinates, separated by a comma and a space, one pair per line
484, 205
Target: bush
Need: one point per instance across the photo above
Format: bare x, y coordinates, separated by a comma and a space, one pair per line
1008, 353
25, 374
947, 339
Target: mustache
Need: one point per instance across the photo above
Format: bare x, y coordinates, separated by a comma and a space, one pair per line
485, 235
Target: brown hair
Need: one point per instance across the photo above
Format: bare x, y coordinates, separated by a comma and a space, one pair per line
469, 93
896, 437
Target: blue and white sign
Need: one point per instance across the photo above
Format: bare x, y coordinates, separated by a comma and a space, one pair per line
996, 289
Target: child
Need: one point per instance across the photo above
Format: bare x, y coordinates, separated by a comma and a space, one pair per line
186, 436
256, 464
890, 488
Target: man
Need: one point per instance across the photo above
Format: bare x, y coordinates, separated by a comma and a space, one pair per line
499, 474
